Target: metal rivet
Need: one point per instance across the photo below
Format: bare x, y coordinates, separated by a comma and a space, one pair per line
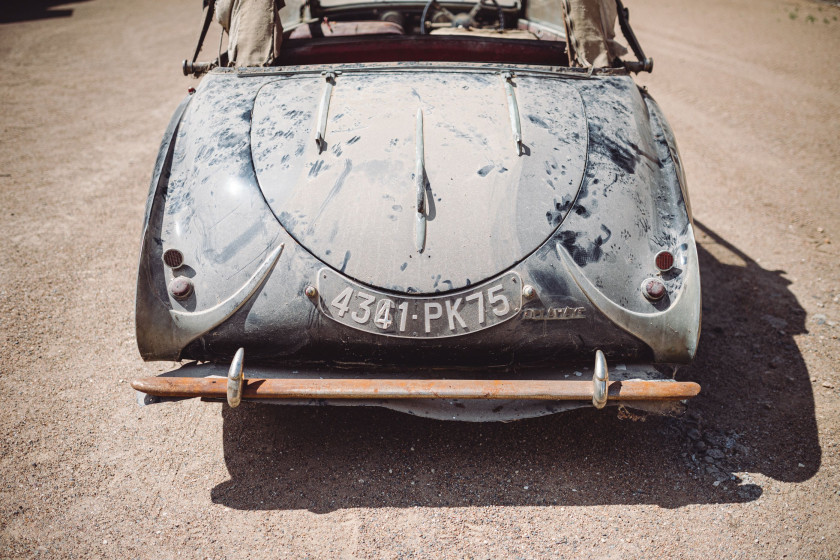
180, 287
528, 291
310, 291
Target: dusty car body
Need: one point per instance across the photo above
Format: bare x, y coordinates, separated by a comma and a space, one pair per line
458, 225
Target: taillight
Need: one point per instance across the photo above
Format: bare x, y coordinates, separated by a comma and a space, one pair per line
664, 261
653, 289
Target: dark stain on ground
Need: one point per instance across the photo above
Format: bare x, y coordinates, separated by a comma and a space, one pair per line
346, 259
353, 140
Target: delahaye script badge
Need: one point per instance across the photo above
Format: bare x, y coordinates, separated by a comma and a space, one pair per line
553, 314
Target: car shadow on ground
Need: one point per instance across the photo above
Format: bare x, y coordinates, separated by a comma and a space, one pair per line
755, 415
27, 10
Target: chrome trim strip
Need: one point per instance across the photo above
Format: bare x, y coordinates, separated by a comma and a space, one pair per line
420, 186
189, 326
513, 110
672, 334
323, 111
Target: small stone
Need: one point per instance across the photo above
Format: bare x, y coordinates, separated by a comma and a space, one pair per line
578, 374
708, 459
717, 483
700, 445
693, 434
819, 319
801, 466
827, 385
715, 453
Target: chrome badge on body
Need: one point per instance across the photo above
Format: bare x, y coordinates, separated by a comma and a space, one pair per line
464, 312
554, 314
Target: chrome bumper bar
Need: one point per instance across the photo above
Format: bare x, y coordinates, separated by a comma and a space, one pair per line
235, 387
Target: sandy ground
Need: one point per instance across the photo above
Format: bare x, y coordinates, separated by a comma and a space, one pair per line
753, 92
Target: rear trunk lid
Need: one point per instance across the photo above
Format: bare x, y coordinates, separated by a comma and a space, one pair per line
352, 202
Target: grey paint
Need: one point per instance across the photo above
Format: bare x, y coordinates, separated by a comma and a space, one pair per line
242, 176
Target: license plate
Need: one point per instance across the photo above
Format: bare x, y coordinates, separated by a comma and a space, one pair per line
362, 308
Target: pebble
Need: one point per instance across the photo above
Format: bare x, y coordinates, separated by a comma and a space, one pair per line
693, 434
715, 453
819, 318
827, 385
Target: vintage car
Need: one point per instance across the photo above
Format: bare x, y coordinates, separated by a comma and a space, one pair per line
427, 206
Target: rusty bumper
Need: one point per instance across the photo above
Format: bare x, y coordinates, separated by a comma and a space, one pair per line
560, 390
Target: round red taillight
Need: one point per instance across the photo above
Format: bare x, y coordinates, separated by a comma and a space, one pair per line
653, 288
664, 261
180, 287
173, 258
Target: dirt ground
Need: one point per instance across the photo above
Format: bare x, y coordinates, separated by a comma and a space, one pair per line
752, 89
